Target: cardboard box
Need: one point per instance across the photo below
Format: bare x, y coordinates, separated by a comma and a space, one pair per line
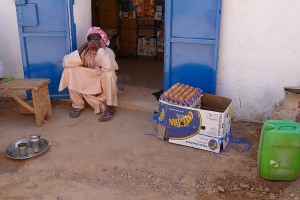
109, 13
147, 43
160, 10
160, 45
161, 132
146, 23
160, 41
206, 128
203, 142
128, 42
129, 23
129, 14
145, 8
149, 8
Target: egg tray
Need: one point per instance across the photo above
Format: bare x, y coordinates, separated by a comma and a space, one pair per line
184, 95
193, 103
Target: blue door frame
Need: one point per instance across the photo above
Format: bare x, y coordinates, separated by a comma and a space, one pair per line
192, 42
47, 33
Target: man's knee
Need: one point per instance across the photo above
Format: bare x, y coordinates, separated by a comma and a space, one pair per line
110, 75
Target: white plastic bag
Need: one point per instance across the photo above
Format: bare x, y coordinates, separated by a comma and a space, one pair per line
1, 70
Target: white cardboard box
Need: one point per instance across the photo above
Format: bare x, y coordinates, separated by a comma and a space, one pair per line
204, 142
205, 128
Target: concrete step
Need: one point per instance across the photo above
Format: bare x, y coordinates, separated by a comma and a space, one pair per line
138, 98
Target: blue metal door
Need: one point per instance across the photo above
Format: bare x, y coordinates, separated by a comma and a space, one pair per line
45, 28
192, 43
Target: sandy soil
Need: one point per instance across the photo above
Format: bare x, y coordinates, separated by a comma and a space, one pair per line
116, 160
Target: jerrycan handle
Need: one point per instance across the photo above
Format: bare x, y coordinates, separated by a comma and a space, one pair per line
269, 127
287, 127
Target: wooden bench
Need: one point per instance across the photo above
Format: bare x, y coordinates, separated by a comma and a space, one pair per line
40, 96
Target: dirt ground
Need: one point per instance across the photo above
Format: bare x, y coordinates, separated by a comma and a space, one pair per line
118, 160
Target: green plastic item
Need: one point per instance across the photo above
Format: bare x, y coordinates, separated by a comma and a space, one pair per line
9, 78
279, 150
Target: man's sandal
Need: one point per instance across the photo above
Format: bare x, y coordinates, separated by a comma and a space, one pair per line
74, 112
106, 116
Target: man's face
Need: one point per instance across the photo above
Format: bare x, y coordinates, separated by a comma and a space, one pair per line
94, 36
92, 39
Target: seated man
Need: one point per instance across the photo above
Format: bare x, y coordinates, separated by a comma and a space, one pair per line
89, 73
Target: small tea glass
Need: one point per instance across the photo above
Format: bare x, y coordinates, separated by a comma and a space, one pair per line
35, 142
22, 147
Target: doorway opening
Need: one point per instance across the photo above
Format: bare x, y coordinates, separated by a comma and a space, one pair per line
136, 32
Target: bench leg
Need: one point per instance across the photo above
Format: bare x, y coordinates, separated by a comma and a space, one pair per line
20, 101
41, 104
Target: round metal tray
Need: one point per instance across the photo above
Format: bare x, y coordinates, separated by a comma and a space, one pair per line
13, 152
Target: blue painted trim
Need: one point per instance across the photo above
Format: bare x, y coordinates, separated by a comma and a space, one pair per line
68, 31
73, 26
192, 41
57, 97
216, 54
168, 24
22, 43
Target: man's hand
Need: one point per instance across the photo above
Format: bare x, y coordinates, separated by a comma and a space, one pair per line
94, 45
82, 48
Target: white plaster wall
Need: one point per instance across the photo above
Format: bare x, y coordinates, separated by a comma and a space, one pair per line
10, 51
259, 54
83, 19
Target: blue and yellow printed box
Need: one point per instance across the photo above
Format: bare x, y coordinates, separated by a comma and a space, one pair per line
206, 128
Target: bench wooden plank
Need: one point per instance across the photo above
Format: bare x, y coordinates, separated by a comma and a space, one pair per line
24, 84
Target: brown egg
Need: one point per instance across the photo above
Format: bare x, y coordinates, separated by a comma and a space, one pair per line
186, 93
166, 94
190, 95
176, 96
181, 98
186, 99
